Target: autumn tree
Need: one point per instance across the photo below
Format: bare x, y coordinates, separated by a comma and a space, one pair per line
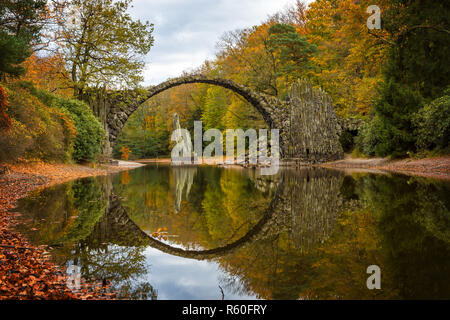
48, 72
349, 62
214, 108
268, 57
102, 44
125, 153
243, 58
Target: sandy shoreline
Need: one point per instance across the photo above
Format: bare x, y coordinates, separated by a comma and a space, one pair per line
436, 167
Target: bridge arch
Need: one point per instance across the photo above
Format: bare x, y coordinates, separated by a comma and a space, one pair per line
126, 232
124, 105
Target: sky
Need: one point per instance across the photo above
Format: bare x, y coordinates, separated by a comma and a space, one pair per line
187, 31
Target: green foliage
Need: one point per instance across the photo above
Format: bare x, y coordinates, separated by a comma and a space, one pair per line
14, 51
20, 24
293, 51
214, 108
146, 133
415, 74
390, 130
420, 51
143, 144
90, 133
433, 125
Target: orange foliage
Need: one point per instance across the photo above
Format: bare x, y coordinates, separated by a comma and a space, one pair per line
48, 73
125, 177
125, 152
5, 121
160, 234
26, 271
350, 58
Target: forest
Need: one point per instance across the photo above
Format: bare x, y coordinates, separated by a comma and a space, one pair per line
145, 228
54, 53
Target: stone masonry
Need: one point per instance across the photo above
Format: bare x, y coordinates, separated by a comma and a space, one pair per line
309, 129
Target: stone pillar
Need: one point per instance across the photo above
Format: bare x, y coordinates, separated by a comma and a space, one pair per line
314, 128
100, 106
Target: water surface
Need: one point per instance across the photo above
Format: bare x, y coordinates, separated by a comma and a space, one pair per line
160, 232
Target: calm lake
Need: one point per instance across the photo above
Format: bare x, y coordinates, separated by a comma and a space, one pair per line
161, 232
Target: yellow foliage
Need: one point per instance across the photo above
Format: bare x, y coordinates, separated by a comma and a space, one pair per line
38, 131
350, 59
48, 73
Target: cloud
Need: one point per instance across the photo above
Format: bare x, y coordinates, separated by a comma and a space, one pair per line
180, 278
186, 32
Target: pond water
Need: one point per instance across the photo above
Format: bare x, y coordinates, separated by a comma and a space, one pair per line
161, 232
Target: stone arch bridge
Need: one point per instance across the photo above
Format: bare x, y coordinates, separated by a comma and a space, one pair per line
309, 127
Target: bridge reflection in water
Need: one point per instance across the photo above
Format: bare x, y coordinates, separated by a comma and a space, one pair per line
303, 233
304, 203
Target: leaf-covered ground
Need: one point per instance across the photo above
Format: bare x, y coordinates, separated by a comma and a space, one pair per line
26, 271
436, 167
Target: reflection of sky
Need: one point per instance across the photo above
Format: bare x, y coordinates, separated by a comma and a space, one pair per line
180, 278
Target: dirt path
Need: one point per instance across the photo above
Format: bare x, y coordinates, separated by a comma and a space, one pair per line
436, 167
26, 271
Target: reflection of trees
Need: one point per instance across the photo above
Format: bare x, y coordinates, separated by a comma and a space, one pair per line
222, 206
111, 252
65, 213
305, 250
302, 213
338, 267
123, 266
231, 208
413, 217
403, 229
76, 218
90, 203
53, 222
401, 224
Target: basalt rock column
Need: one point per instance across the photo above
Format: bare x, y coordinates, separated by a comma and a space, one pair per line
314, 127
